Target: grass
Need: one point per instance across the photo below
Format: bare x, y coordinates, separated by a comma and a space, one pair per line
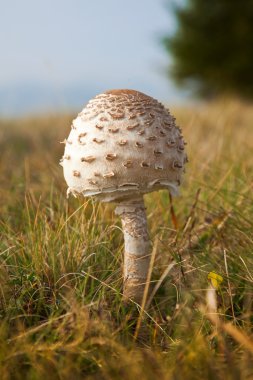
61, 261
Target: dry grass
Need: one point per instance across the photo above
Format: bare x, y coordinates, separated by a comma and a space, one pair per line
60, 261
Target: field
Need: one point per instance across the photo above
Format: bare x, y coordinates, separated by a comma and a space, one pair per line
62, 315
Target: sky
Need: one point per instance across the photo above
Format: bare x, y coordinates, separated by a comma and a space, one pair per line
56, 54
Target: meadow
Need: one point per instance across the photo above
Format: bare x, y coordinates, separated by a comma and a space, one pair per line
61, 310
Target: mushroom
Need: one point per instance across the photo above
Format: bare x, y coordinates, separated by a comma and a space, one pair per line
134, 156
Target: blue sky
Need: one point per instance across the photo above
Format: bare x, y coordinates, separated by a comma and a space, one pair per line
56, 54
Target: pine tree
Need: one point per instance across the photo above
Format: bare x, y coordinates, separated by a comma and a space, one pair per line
212, 48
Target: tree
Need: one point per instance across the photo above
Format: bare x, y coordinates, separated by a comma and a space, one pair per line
212, 47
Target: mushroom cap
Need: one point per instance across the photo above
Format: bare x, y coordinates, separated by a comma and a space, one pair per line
123, 144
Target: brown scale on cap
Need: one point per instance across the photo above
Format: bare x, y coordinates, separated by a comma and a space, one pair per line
117, 116
171, 143
80, 136
98, 141
158, 152
130, 130
122, 142
177, 165
133, 126
151, 138
149, 122
128, 164
111, 156
92, 182
76, 173
113, 129
88, 159
109, 175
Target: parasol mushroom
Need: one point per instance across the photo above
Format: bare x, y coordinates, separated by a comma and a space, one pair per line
123, 145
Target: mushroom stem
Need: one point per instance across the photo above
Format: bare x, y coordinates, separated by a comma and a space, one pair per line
137, 247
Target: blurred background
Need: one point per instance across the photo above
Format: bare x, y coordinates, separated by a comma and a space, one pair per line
58, 54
